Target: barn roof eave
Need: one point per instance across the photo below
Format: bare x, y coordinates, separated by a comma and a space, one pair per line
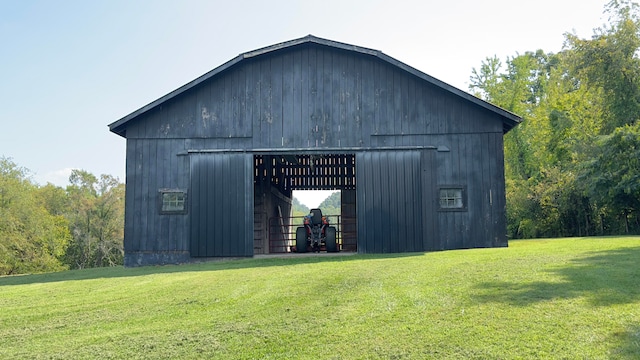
510, 120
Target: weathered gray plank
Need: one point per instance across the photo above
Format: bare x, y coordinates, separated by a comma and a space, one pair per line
326, 107
293, 96
429, 208
277, 105
163, 169
265, 118
302, 137
365, 104
131, 240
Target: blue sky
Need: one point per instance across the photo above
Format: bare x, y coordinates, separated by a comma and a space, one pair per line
70, 68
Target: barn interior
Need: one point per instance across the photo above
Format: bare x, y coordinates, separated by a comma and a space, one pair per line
277, 175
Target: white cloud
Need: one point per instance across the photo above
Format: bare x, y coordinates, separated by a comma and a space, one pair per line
57, 177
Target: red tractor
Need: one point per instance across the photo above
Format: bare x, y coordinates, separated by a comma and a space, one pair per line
316, 234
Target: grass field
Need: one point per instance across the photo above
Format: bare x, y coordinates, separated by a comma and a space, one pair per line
537, 299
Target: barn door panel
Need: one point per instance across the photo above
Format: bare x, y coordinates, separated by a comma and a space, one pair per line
389, 202
221, 199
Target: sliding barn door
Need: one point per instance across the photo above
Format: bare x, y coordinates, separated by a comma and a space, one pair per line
221, 198
389, 202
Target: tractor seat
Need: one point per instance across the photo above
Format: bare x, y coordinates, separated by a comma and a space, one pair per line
316, 217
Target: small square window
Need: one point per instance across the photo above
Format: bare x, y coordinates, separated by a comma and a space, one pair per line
452, 198
173, 201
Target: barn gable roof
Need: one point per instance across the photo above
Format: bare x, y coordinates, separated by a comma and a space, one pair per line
509, 119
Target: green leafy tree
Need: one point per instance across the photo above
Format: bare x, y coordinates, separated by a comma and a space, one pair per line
109, 224
97, 220
608, 65
519, 89
331, 205
298, 209
31, 239
613, 176
565, 174
54, 198
609, 62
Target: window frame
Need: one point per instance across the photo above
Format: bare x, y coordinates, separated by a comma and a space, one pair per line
463, 197
161, 202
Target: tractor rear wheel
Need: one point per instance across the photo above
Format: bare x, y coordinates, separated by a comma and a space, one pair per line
301, 240
330, 240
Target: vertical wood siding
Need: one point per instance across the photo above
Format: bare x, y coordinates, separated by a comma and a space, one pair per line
153, 165
472, 162
430, 236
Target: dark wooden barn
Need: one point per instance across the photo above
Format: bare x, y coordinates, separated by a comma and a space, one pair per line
419, 163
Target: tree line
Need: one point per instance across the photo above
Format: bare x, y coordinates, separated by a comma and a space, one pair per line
572, 166
50, 228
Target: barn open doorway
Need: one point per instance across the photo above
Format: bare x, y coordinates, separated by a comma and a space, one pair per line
279, 175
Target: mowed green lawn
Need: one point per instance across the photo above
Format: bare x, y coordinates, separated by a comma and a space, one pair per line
552, 299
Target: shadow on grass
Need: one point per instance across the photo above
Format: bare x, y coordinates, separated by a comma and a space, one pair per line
603, 278
205, 265
626, 344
